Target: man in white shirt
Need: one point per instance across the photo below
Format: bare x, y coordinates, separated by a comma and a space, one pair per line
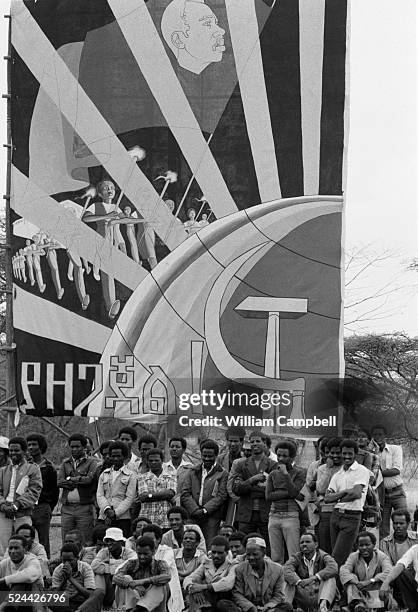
177, 464
391, 464
406, 582
116, 490
348, 488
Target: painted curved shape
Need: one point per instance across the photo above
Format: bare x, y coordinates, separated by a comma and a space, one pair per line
228, 366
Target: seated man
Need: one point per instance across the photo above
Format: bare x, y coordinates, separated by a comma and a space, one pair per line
165, 553
364, 572
311, 576
259, 583
177, 517
189, 557
86, 553
136, 529
236, 545
396, 545
141, 583
212, 582
406, 581
20, 571
107, 561
76, 578
28, 532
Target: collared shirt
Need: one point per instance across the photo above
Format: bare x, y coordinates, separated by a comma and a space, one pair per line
221, 578
105, 563
411, 558
169, 467
186, 568
156, 511
134, 463
84, 575
391, 458
28, 570
11, 495
310, 564
205, 474
169, 539
134, 570
347, 479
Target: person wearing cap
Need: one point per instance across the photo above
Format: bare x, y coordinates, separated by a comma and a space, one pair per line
310, 576
107, 561
48, 499
20, 488
259, 583
4, 452
212, 582
116, 490
141, 583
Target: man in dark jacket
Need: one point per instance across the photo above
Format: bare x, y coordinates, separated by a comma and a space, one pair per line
249, 484
204, 491
259, 582
310, 576
48, 499
78, 476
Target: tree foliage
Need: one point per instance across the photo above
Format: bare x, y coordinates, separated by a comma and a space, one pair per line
388, 364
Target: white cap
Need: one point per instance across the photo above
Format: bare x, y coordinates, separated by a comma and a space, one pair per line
114, 533
4, 442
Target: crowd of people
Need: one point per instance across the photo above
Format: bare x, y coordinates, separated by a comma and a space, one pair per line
244, 529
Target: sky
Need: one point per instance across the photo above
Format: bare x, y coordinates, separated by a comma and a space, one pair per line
381, 212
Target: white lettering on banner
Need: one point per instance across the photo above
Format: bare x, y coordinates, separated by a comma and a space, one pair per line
31, 378
121, 376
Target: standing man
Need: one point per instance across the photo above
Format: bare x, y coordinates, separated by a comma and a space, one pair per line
156, 489
249, 484
77, 476
391, 463
48, 499
204, 491
234, 438
20, 488
283, 488
116, 490
323, 477
145, 443
129, 436
348, 488
177, 464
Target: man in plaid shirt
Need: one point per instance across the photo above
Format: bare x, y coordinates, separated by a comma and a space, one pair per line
156, 488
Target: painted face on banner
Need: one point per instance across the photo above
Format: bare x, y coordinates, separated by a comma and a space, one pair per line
205, 39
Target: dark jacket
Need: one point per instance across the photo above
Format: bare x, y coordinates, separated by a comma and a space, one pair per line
87, 474
244, 469
282, 489
214, 490
50, 491
245, 589
295, 569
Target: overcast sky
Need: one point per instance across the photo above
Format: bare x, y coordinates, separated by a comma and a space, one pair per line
381, 198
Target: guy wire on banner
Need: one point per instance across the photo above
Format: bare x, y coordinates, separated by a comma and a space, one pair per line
8, 350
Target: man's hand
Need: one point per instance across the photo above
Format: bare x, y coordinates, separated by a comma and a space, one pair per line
67, 570
197, 514
159, 580
257, 478
197, 588
306, 582
384, 591
143, 497
363, 584
110, 513
141, 590
125, 581
8, 510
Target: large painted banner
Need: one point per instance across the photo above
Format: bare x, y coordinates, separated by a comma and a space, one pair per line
177, 191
